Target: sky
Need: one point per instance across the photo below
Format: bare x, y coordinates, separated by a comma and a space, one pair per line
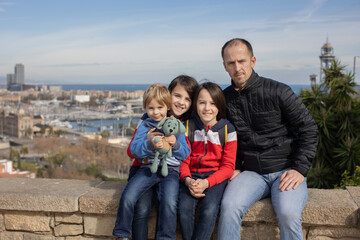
142, 41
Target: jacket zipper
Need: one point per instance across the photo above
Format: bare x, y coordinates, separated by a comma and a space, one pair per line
205, 140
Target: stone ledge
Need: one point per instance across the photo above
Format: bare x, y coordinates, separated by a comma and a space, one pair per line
48, 195
97, 203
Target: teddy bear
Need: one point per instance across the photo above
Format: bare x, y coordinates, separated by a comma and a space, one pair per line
170, 126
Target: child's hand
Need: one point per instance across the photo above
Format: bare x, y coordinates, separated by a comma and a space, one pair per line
171, 140
151, 134
197, 187
157, 142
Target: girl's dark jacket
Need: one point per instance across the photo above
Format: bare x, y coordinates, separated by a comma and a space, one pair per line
274, 129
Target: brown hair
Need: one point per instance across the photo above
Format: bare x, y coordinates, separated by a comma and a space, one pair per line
236, 41
217, 96
190, 85
158, 92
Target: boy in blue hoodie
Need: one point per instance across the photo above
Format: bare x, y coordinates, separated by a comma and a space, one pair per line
156, 102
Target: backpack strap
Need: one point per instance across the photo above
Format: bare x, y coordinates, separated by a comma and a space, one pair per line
190, 129
223, 135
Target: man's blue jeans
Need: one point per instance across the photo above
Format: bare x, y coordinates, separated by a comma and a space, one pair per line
249, 187
208, 208
167, 195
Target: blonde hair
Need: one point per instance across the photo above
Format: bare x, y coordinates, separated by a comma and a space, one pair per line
158, 92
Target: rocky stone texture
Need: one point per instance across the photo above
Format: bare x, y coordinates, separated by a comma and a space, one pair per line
99, 225
59, 195
2, 226
68, 218
27, 221
53, 209
68, 230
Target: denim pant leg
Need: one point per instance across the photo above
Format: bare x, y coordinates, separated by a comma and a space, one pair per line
167, 195
138, 184
288, 206
240, 194
208, 211
141, 215
186, 211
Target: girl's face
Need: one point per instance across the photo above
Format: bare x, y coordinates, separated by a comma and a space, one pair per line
206, 108
156, 111
181, 101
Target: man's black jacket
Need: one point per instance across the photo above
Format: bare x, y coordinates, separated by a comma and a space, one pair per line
274, 129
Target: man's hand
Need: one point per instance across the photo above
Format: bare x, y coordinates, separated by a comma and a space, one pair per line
235, 173
290, 179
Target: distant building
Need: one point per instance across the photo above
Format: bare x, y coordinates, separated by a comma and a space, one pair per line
313, 78
7, 170
16, 81
326, 58
80, 98
19, 74
53, 88
16, 124
10, 80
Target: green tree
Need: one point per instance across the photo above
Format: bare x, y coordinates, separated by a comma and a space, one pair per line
105, 134
14, 155
335, 107
24, 150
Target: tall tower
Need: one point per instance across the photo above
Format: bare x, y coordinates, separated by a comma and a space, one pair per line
326, 57
19, 74
10, 80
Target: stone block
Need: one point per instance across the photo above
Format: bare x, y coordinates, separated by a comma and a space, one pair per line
27, 221
355, 194
333, 207
2, 226
31, 236
49, 195
68, 230
103, 199
260, 231
68, 218
90, 238
12, 235
99, 225
319, 233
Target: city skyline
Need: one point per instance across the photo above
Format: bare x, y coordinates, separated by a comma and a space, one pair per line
92, 42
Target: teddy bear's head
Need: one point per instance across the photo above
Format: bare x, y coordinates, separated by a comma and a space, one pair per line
171, 126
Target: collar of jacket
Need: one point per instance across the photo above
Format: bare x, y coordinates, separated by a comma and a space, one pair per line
199, 125
252, 82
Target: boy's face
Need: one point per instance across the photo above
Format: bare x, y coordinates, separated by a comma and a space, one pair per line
156, 111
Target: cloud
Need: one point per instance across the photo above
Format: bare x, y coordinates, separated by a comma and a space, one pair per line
5, 4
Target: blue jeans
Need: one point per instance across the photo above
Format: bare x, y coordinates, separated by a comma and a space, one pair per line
208, 208
142, 210
167, 194
249, 187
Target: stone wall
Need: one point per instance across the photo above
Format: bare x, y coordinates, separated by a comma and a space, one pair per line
54, 209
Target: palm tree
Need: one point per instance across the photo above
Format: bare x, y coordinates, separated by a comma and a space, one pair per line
335, 107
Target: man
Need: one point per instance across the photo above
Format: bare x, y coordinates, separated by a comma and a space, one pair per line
277, 140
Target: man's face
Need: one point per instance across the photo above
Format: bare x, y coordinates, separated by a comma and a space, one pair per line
238, 63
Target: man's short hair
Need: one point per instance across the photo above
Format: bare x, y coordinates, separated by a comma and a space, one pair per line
236, 41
